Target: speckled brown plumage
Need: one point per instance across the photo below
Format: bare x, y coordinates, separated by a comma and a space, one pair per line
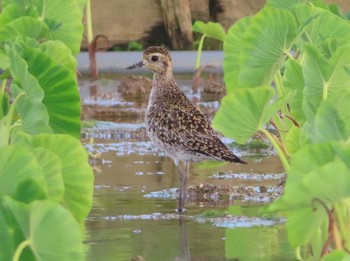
173, 123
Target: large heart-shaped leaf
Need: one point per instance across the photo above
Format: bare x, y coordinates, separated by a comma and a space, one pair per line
333, 182
23, 26
61, 97
75, 167
270, 34
59, 20
233, 46
12, 173
53, 97
210, 29
324, 77
293, 81
51, 165
321, 26
243, 112
63, 241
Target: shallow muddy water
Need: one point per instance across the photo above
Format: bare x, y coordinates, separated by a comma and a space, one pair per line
133, 215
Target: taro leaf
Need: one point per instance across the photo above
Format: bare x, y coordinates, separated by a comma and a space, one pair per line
328, 126
13, 11
243, 112
303, 162
51, 232
68, 15
76, 171
210, 29
293, 80
61, 98
303, 223
60, 19
28, 191
4, 104
322, 26
337, 255
11, 232
293, 140
333, 182
269, 36
18, 164
51, 164
233, 45
49, 83
25, 27
61, 54
323, 77
34, 115
285, 4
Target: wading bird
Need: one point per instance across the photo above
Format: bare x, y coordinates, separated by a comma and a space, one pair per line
174, 124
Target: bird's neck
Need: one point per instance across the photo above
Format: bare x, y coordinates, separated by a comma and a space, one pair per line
163, 85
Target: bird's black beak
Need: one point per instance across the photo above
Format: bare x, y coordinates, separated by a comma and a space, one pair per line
136, 65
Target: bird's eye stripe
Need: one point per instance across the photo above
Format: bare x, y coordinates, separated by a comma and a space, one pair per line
154, 58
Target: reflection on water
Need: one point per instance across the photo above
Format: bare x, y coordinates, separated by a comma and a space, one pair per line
133, 213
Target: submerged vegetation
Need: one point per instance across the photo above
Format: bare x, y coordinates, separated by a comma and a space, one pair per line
46, 182
289, 66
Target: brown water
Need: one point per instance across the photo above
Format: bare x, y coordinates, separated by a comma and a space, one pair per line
135, 188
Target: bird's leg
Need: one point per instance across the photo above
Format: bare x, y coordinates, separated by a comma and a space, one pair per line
183, 185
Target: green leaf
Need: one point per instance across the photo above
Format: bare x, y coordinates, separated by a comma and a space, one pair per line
64, 240
270, 34
328, 125
323, 77
303, 223
4, 104
336, 255
293, 140
25, 27
303, 162
61, 54
34, 115
76, 171
233, 46
52, 100
51, 164
12, 173
243, 112
333, 182
293, 80
68, 15
210, 29
285, 4
322, 26
28, 191
61, 97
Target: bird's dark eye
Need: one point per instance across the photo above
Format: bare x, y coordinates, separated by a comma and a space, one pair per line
154, 58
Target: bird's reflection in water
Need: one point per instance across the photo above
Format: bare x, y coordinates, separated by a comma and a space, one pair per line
184, 248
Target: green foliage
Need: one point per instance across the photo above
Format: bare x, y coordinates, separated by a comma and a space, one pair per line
301, 49
46, 182
210, 29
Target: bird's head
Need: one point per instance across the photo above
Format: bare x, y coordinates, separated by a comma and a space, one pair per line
156, 59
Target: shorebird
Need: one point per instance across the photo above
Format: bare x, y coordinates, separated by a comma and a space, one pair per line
174, 124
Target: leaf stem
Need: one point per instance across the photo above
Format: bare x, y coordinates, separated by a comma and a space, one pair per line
278, 148
43, 10
19, 250
338, 212
279, 84
200, 47
89, 22
3, 85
